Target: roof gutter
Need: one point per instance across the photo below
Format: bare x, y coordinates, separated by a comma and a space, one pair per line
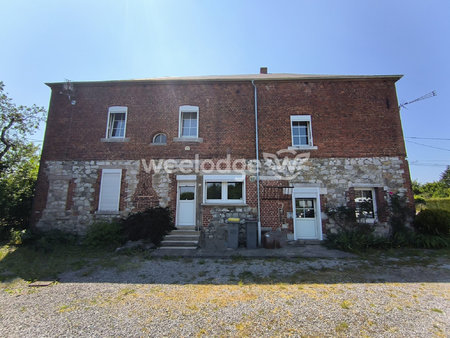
257, 163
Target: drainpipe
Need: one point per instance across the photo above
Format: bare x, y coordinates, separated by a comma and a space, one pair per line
257, 163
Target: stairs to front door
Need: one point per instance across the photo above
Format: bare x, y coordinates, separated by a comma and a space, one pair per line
183, 238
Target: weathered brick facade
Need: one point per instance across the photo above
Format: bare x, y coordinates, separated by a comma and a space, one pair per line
356, 131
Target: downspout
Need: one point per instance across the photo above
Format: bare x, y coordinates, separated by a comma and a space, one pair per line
257, 163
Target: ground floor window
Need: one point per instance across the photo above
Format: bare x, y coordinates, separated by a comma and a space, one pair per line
365, 204
110, 190
224, 189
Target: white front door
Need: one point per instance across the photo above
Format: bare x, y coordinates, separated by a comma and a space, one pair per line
305, 218
186, 204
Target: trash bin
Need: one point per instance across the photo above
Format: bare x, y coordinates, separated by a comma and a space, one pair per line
233, 235
274, 239
251, 230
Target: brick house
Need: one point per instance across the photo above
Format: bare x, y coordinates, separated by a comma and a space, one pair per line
115, 147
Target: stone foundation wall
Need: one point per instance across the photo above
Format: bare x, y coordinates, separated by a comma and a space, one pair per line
73, 190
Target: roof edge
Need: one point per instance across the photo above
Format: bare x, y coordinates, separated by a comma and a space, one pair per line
237, 78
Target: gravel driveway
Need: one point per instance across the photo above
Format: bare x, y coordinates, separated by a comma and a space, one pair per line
235, 297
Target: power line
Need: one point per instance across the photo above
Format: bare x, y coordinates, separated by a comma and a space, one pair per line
426, 145
429, 138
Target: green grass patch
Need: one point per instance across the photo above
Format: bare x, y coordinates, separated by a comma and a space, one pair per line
29, 264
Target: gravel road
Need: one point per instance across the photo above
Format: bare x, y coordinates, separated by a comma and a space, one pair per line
235, 297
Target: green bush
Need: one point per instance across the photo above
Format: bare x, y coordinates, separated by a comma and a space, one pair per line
47, 240
355, 240
151, 224
433, 222
438, 203
104, 234
17, 237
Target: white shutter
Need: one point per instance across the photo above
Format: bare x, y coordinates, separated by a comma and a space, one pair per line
110, 190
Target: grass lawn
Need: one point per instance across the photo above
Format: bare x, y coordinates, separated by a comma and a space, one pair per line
29, 264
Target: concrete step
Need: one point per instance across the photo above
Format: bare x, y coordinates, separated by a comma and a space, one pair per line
171, 243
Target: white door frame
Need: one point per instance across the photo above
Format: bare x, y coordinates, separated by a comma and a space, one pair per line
308, 193
186, 183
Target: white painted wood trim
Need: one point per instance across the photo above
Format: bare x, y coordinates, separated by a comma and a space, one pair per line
308, 192
188, 109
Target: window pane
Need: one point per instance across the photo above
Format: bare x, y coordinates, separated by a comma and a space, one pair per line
300, 133
304, 140
234, 190
160, 139
305, 208
214, 190
364, 204
189, 124
309, 213
117, 125
187, 193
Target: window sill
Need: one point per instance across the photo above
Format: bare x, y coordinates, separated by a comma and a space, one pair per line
302, 148
217, 204
188, 139
158, 144
115, 139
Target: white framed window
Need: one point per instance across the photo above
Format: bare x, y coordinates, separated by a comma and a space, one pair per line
160, 139
110, 190
301, 131
224, 189
188, 125
117, 122
365, 205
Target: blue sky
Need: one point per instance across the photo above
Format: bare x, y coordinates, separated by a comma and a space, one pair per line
49, 41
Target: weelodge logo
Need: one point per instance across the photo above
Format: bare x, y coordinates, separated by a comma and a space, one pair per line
274, 166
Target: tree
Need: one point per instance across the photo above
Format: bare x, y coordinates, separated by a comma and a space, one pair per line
16, 122
17, 183
445, 177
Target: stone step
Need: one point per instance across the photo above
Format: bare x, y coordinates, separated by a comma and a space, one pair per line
185, 232
175, 248
309, 241
166, 243
186, 228
176, 237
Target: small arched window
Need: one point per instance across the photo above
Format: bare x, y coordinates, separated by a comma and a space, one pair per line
160, 139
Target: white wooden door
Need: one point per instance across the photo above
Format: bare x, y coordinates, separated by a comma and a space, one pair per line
306, 218
186, 204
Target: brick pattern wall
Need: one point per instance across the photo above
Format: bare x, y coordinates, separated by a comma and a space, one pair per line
349, 119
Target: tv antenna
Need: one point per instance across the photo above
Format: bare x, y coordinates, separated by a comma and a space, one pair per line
69, 91
426, 96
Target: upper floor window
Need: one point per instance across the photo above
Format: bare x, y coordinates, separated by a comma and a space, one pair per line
160, 139
301, 131
188, 122
117, 121
365, 204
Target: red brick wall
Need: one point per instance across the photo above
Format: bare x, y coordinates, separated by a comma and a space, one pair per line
349, 119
